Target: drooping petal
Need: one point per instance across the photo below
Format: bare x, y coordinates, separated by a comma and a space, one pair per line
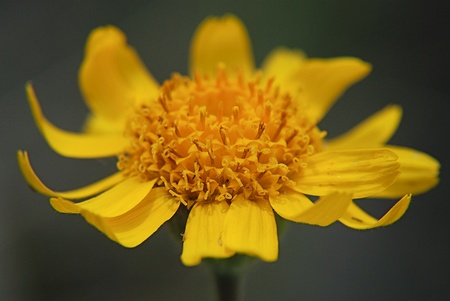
203, 235
250, 228
363, 172
133, 227
375, 131
111, 203
419, 173
322, 81
357, 218
298, 208
221, 40
89, 190
113, 78
75, 145
282, 63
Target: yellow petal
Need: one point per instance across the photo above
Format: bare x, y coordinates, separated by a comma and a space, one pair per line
282, 63
363, 172
203, 235
74, 145
356, 218
419, 173
322, 81
89, 190
375, 131
221, 40
111, 203
113, 78
138, 224
298, 208
250, 228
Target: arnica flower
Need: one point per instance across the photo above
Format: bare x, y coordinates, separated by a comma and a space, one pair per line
230, 144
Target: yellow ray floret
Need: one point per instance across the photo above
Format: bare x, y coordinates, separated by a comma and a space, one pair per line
203, 235
362, 172
111, 203
89, 190
374, 131
250, 228
356, 218
298, 208
133, 227
75, 145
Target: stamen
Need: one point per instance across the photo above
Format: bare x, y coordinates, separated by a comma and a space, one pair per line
210, 151
267, 111
224, 136
235, 114
269, 84
163, 101
178, 196
261, 128
282, 125
289, 139
251, 88
260, 97
220, 113
201, 147
190, 105
202, 122
175, 128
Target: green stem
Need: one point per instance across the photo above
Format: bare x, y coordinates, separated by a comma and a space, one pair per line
228, 286
228, 274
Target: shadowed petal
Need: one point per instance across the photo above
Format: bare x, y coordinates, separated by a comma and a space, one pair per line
322, 81
132, 228
298, 208
250, 228
221, 40
113, 79
357, 218
203, 235
89, 190
75, 145
363, 172
419, 173
375, 131
113, 202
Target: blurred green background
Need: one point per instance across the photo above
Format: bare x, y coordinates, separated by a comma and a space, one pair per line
49, 256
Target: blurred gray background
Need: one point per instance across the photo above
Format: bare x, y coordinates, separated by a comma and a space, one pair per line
49, 256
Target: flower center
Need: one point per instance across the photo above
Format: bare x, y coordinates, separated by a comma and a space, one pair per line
210, 139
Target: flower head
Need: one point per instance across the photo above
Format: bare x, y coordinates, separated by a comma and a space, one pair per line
230, 144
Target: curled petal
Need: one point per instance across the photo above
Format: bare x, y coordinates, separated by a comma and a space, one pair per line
356, 218
419, 173
112, 79
133, 227
221, 40
74, 145
250, 228
322, 81
113, 202
89, 190
375, 131
203, 235
298, 208
363, 172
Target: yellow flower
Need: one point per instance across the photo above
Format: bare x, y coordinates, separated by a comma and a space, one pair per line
229, 143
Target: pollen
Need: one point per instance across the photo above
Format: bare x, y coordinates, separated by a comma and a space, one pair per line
211, 139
